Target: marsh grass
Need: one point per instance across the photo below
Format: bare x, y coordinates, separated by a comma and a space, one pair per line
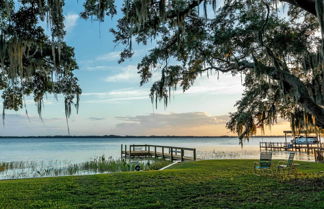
97, 165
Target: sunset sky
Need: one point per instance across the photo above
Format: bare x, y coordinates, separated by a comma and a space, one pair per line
113, 102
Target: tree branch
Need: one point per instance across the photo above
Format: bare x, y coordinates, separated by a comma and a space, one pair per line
296, 86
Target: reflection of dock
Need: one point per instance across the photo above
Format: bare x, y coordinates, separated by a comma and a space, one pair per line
158, 151
284, 146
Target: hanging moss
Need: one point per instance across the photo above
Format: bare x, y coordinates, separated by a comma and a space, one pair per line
31, 64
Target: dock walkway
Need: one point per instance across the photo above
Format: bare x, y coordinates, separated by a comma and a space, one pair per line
158, 151
284, 146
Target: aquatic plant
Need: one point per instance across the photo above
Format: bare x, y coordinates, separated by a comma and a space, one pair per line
100, 164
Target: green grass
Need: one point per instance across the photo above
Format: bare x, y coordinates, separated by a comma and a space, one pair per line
201, 184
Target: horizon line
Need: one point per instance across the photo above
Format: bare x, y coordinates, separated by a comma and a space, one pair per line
133, 136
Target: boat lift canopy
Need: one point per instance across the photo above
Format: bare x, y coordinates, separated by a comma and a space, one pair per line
306, 132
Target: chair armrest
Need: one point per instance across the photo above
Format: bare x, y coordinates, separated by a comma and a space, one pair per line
281, 163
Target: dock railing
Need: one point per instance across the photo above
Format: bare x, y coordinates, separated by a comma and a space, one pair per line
158, 151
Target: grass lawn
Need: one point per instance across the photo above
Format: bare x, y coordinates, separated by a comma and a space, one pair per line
201, 184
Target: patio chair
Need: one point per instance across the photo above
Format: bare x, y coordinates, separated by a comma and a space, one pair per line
290, 163
319, 156
265, 161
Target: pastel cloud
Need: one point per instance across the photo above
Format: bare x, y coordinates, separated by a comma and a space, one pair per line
184, 124
191, 123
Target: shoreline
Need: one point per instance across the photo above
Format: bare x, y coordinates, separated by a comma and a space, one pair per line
169, 166
130, 136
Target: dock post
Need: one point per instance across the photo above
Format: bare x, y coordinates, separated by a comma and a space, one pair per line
182, 154
155, 152
194, 155
121, 151
149, 150
163, 152
171, 153
307, 142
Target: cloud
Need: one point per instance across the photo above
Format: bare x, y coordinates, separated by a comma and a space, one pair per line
114, 56
70, 22
127, 74
99, 68
172, 123
212, 84
119, 92
225, 84
183, 124
116, 96
96, 118
111, 56
175, 119
21, 125
115, 100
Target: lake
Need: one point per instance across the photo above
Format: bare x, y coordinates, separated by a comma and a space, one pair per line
58, 152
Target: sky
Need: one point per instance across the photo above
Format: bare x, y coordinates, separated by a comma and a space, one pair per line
113, 102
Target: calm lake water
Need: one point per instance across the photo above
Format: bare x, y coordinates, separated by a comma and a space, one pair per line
58, 152
83, 149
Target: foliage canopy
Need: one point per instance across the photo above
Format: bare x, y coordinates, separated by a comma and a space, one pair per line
279, 52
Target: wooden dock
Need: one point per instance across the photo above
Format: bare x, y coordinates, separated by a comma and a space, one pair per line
284, 146
158, 151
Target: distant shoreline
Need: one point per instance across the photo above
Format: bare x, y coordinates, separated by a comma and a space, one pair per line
129, 136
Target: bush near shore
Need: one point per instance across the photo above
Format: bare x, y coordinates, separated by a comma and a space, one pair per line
201, 184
